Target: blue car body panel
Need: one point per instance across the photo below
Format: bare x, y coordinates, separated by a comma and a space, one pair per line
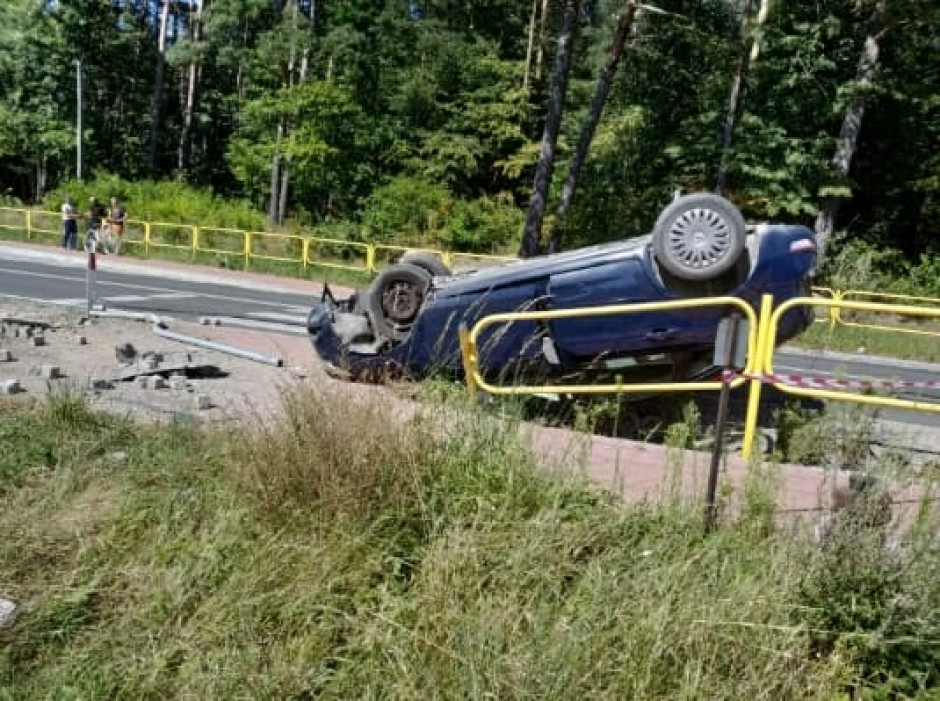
614, 273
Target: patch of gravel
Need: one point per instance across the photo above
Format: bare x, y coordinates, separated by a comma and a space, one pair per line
166, 379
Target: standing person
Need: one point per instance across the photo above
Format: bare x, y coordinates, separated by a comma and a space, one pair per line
69, 225
95, 213
116, 218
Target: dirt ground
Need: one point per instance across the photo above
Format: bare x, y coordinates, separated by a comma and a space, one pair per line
195, 383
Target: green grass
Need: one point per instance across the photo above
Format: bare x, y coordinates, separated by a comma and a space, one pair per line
335, 553
885, 342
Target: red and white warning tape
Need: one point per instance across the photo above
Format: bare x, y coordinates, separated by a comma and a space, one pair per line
830, 382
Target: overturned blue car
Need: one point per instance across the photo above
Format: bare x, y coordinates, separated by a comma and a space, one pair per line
405, 323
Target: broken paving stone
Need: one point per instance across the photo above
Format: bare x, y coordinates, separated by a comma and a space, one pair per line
5, 356
8, 612
10, 387
157, 382
47, 372
202, 402
179, 383
126, 353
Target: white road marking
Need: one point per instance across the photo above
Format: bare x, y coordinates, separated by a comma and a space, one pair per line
131, 286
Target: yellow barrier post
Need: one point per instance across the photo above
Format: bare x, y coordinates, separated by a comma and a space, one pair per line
835, 313
195, 241
305, 251
146, 238
29, 224
370, 258
247, 248
445, 258
468, 354
757, 367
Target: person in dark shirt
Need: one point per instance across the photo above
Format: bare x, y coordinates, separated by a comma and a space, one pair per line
95, 213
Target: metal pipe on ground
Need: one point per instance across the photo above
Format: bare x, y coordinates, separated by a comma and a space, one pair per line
121, 314
274, 327
163, 332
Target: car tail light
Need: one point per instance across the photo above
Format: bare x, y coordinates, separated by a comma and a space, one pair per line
803, 246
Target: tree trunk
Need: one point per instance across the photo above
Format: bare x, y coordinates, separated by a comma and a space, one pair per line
192, 88
529, 46
590, 125
540, 48
282, 198
543, 170
282, 187
156, 106
851, 127
42, 171
275, 175
745, 58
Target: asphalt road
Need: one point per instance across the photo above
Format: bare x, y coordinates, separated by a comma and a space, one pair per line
53, 278
53, 282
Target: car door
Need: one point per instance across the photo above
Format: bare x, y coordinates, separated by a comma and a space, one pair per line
618, 282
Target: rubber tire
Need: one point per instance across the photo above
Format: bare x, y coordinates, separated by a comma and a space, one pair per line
372, 300
428, 261
701, 200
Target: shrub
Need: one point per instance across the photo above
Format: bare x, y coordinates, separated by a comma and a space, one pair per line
166, 200
408, 209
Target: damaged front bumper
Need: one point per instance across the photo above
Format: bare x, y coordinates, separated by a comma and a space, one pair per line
342, 338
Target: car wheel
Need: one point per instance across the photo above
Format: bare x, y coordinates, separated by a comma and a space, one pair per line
430, 262
699, 237
394, 299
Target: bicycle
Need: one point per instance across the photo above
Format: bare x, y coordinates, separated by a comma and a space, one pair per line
102, 237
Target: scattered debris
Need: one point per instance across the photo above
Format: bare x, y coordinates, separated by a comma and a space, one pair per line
46, 372
10, 387
125, 354
116, 456
8, 612
179, 383
5, 356
100, 383
82, 341
37, 341
203, 402
157, 382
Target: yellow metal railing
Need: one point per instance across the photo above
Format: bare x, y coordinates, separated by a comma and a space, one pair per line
908, 300
767, 350
304, 251
759, 370
469, 343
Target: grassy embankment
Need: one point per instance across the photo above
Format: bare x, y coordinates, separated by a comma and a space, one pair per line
336, 554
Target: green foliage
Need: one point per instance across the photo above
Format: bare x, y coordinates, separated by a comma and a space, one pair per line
482, 225
332, 552
407, 208
163, 201
365, 92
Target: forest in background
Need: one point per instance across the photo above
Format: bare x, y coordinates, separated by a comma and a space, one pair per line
422, 121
